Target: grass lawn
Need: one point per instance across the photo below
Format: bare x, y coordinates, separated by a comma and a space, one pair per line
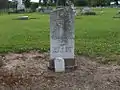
95, 35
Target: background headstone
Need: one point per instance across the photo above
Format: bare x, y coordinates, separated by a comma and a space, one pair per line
87, 11
20, 5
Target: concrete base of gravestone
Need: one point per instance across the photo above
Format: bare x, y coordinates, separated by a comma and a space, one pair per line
1, 62
70, 65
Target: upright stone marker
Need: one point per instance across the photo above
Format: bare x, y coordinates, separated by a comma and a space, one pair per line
20, 5
62, 35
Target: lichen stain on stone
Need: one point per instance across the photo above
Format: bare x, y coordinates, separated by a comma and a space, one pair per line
62, 25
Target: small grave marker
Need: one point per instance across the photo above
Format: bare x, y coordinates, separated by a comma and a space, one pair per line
59, 64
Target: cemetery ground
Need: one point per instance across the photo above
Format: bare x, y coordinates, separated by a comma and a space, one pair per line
24, 48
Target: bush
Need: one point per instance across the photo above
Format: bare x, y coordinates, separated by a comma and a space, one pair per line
89, 13
34, 6
81, 3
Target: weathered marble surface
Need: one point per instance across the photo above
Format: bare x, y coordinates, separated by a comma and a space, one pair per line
62, 33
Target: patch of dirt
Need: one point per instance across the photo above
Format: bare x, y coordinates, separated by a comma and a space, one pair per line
28, 71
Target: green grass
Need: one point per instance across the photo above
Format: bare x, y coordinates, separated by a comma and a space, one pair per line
95, 35
98, 35
19, 34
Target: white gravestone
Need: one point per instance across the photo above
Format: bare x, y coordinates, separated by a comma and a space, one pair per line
20, 5
59, 64
62, 33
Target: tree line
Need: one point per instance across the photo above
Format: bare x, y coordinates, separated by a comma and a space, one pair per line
82, 2
75, 2
5, 3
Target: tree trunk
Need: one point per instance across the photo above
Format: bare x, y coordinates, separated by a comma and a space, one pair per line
116, 2
3, 4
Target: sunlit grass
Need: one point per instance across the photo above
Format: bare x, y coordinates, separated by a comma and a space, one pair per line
95, 35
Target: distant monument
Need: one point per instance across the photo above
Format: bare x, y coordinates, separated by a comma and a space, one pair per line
20, 5
87, 11
62, 34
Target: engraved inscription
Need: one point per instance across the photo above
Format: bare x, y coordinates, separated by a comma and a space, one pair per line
62, 49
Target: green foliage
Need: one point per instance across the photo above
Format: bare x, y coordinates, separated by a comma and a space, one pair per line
89, 13
34, 6
81, 2
116, 1
63, 2
27, 3
92, 2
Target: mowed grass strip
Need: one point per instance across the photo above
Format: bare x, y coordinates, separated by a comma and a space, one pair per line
24, 34
94, 35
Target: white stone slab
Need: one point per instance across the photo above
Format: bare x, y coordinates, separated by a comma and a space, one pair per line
59, 64
62, 33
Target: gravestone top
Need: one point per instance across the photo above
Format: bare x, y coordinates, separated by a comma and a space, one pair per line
87, 11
